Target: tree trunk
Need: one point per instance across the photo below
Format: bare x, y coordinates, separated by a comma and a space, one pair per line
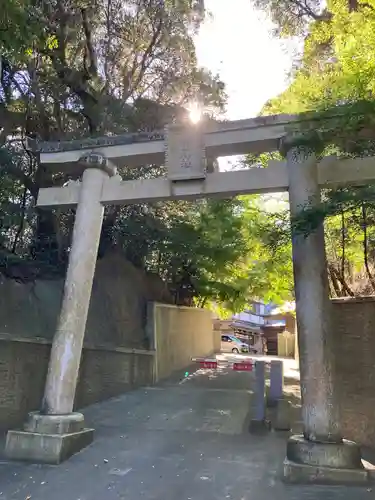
334, 281
341, 279
343, 241
365, 247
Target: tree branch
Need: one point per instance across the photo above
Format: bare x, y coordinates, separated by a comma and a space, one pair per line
145, 63
341, 280
305, 10
90, 62
334, 282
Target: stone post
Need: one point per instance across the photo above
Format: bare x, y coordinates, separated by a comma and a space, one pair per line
320, 410
276, 391
55, 433
258, 422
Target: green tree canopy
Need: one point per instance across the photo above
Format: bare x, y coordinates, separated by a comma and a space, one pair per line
334, 75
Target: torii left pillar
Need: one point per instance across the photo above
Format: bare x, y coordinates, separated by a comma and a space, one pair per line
56, 432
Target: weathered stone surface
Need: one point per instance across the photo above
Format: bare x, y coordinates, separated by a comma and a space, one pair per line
317, 474
276, 388
354, 326
54, 424
282, 413
46, 448
185, 152
117, 306
105, 372
98, 160
68, 340
94, 142
320, 409
344, 455
259, 403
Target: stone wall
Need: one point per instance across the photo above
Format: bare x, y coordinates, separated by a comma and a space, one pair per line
178, 334
115, 357
104, 372
120, 339
286, 344
354, 328
217, 340
353, 325
117, 314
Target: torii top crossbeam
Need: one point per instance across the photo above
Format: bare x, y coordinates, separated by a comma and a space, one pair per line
188, 145
254, 135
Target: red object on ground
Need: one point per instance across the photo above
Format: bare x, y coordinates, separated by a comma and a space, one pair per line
208, 364
243, 367
212, 364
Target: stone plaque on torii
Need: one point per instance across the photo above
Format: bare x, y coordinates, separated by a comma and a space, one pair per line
185, 153
56, 432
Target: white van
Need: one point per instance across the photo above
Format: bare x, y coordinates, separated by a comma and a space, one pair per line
230, 343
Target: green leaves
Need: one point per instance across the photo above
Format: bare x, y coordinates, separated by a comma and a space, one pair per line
72, 68
52, 42
338, 64
20, 28
335, 76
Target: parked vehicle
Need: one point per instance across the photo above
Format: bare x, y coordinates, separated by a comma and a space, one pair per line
230, 343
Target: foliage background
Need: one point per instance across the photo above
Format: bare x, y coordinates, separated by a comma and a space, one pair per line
334, 75
74, 68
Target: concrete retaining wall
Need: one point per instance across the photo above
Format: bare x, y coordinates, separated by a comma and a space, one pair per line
354, 328
217, 340
117, 313
286, 344
353, 325
178, 334
104, 372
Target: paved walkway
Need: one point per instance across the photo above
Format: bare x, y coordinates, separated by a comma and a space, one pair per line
182, 440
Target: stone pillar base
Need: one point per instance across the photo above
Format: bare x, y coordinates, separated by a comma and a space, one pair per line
323, 463
48, 439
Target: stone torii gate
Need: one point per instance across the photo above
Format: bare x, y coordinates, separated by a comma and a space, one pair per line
56, 432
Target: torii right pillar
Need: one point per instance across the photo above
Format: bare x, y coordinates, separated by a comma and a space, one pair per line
320, 454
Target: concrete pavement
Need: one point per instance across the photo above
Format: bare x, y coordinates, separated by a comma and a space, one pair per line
185, 439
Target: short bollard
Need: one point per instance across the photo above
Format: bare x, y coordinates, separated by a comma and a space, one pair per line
283, 416
276, 389
258, 421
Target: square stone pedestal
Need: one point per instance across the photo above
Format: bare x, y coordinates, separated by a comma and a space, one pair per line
48, 439
324, 463
295, 473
